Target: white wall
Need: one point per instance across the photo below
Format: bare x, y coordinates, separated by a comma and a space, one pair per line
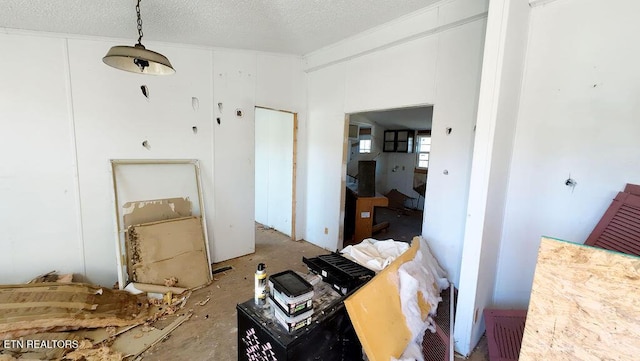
282, 84
437, 63
503, 63
578, 116
40, 215
324, 155
113, 118
457, 79
402, 178
76, 113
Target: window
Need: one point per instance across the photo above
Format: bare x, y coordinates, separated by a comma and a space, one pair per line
365, 140
423, 148
365, 146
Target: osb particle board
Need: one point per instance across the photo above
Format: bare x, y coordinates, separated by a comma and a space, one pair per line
585, 305
32, 308
376, 313
171, 248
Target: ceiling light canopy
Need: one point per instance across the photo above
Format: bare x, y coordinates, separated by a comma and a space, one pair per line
137, 59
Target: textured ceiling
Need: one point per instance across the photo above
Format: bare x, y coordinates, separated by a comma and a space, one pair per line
418, 118
286, 26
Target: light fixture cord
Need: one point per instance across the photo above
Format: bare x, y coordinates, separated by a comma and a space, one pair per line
139, 23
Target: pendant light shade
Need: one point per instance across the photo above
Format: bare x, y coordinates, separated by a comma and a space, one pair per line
137, 59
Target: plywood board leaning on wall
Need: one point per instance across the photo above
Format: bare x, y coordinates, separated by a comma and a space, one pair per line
169, 249
585, 305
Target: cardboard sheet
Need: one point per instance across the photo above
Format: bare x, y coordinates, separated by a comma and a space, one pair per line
585, 305
376, 312
171, 248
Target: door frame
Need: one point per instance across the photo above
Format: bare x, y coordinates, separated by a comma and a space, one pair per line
294, 167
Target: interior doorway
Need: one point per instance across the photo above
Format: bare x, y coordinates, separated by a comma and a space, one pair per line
396, 144
275, 162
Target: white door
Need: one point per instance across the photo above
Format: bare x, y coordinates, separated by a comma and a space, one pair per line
274, 169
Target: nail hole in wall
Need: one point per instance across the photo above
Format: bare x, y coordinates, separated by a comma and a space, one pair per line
449, 130
145, 91
218, 120
239, 113
146, 144
195, 129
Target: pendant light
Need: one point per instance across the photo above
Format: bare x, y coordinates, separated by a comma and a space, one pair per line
137, 59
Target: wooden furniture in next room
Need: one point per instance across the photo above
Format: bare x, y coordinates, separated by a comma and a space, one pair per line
363, 215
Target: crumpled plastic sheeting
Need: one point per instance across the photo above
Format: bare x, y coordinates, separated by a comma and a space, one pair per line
420, 277
374, 254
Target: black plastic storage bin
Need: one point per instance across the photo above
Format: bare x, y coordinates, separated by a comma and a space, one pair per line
342, 273
329, 337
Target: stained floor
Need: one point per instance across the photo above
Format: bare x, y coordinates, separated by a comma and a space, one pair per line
211, 333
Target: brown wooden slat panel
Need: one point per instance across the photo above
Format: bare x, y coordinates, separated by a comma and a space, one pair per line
610, 242
619, 228
632, 188
620, 235
505, 329
625, 227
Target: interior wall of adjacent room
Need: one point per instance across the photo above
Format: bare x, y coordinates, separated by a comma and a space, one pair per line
430, 57
93, 113
400, 173
377, 134
578, 118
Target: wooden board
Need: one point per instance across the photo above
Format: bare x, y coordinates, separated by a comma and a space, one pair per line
33, 308
166, 249
585, 305
376, 312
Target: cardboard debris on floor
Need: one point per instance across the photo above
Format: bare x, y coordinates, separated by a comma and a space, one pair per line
584, 305
64, 342
32, 308
134, 322
53, 276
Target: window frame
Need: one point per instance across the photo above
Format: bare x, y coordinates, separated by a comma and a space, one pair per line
422, 134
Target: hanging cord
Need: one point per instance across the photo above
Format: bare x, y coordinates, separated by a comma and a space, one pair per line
139, 23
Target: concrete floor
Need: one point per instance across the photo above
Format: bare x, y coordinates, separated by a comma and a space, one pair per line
211, 333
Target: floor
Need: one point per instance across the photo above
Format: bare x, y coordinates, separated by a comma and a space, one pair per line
211, 333
403, 224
